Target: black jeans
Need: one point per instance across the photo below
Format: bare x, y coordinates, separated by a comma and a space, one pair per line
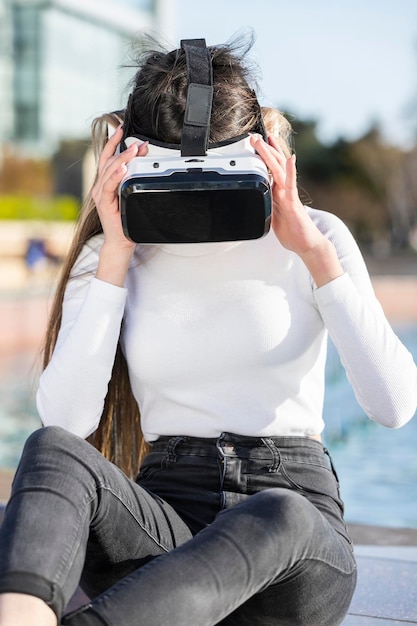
246, 531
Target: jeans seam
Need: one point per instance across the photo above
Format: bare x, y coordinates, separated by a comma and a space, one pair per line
339, 568
138, 521
323, 466
68, 557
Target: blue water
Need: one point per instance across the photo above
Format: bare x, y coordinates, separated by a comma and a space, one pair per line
377, 467
18, 416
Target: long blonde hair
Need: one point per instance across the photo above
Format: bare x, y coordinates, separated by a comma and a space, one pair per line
277, 125
118, 436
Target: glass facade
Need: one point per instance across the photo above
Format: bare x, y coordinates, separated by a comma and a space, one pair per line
26, 57
65, 62
143, 5
80, 73
6, 72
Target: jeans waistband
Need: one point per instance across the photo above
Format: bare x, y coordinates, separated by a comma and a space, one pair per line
209, 446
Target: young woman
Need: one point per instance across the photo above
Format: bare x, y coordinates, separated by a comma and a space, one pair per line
222, 347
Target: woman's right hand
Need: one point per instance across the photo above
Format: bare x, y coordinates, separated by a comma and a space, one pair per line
117, 250
111, 170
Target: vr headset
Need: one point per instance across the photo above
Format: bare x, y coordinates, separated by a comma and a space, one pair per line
193, 192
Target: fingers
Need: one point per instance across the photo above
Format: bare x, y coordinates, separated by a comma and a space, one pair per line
113, 171
112, 161
282, 168
291, 179
273, 157
116, 170
270, 148
108, 156
276, 149
111, 183
110, 147
118, 160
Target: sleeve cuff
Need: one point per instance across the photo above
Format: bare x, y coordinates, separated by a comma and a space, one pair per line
107, 292
337, 290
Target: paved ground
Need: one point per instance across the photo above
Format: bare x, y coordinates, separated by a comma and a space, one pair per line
5, 482
387, 587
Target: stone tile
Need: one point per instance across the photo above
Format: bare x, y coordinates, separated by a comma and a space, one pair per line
6, 477
395, 553
387, 586
355, 620
366, 535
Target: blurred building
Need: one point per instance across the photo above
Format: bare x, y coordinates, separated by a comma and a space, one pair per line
60, 64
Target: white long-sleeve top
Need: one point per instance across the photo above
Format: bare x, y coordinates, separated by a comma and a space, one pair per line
225, 337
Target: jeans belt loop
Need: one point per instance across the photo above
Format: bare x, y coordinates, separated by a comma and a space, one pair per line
276, 455
171, 447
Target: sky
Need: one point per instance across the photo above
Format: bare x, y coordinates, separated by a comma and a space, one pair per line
344, 63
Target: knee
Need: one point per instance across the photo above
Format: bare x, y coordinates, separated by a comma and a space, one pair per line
51, 439
278, 524
282, 508
52, 455
48, 435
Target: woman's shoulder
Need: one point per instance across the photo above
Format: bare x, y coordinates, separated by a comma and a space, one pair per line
88, 258
347, 247
336, 231
328, 223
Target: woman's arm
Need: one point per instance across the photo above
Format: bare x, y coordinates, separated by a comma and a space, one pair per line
73, 387
380, 369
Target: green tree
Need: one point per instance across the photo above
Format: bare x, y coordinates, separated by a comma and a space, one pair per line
355, 180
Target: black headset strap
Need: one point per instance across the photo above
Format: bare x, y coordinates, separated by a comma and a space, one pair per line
196, 127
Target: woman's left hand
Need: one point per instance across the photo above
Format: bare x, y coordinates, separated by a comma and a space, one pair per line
291, 223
